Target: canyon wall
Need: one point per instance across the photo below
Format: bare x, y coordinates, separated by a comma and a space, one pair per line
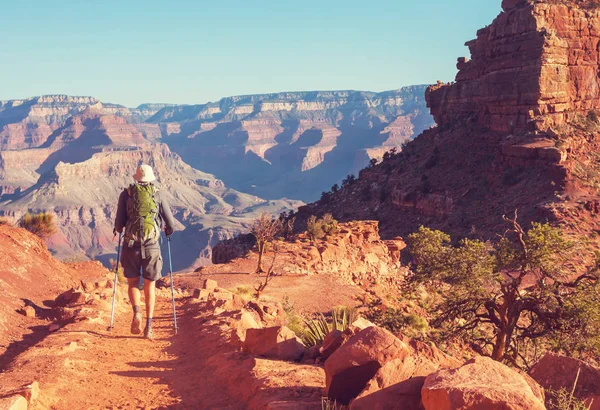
517, 131
293, 145
536, 63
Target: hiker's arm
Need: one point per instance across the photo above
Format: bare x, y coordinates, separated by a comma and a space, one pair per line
167, 216
121, 219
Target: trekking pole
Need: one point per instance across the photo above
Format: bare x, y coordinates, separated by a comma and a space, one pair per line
172, 286
112, 312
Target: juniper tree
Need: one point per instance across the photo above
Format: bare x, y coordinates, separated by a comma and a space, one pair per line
501, 297
265, 229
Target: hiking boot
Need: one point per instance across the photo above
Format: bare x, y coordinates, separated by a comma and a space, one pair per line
136, 324
148, 333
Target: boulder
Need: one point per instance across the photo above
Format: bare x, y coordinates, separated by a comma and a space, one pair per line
16, 402
423, 360
30, 392
239, 327
349, 368
557, 372
335, 339
481, 383
210, 285
361, 323
28, 311
401, 396
93, 284
331, 343
277, 342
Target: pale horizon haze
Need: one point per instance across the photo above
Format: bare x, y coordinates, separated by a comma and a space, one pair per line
191, 52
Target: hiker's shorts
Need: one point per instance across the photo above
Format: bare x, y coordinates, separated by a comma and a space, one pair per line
150, 268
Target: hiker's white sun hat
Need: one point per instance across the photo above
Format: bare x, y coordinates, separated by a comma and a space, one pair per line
144, 173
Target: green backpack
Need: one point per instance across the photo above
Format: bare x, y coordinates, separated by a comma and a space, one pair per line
142, 213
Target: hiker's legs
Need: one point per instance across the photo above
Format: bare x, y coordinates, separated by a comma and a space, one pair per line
150, 297
134, 291
151, 272
132, 264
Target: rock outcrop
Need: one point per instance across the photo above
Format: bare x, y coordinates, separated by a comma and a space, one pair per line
537, 62
355, 253
518, 129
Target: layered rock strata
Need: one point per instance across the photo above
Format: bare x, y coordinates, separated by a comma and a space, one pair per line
537, 62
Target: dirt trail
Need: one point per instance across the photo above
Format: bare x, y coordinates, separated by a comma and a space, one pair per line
116, 370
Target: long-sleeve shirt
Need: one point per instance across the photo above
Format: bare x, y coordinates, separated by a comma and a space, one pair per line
164, 212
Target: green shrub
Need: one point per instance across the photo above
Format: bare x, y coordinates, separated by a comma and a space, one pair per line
417, 322
293, 321
342, 317
41, 224
314, 228
330, 225
318, 228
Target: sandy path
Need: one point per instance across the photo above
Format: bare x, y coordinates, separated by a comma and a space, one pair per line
97, 369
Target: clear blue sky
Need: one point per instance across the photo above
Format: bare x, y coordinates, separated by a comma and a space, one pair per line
193, 51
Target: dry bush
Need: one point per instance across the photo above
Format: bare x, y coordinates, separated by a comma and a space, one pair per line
41, 224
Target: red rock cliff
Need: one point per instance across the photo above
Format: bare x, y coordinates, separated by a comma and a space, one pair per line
537, 63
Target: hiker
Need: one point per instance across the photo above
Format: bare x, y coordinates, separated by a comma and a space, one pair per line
141, 212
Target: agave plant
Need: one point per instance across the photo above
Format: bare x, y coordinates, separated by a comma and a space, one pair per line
317, 328
343, 317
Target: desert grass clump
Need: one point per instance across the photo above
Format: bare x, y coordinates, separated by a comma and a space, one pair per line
318, 327
294, 321
243, 291
565, 400
5, 222
41, 224
330, 404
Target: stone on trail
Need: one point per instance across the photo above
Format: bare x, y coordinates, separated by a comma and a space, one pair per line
53, 328
201, 294
349, 368
277, 342
210, 285
241, 326
481, 383
16, 402
28, 311
30, 392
